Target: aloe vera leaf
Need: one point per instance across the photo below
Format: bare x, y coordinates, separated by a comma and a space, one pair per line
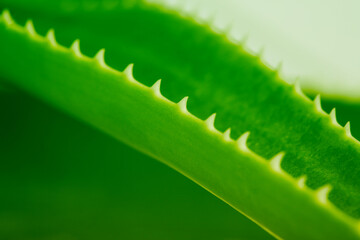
325, 60
93, 187
141, 117
28, 127
221, 77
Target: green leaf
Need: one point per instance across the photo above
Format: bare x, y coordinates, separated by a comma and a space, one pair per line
61, 179
218, 76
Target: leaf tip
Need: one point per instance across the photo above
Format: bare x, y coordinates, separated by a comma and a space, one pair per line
323, 192
210, 121
100, 57
128, 71
317, 102
242, 142
261, 52
183, 104
301, 181
275, 162
7, 17
297, 88
156, 88
245, 39
75, 47
29, 26
227, 135
50, 36
333, 117
348, 130
279, 67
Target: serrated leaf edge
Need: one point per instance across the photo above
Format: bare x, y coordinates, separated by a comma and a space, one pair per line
320, 195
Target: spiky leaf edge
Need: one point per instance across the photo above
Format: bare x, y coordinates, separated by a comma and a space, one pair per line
319, 197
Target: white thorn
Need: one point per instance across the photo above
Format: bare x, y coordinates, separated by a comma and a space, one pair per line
275, 162
75, 47
100, 57
333, 117
156, 88
233, 38
183, 104
317, 102
297, 88
279, 68
242, 142
210, 121
29, 26
244, 39
129, 72
301, 181
51, 37
227, 136
7, 17
347, 129
228, 29
261, 52
323, 192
